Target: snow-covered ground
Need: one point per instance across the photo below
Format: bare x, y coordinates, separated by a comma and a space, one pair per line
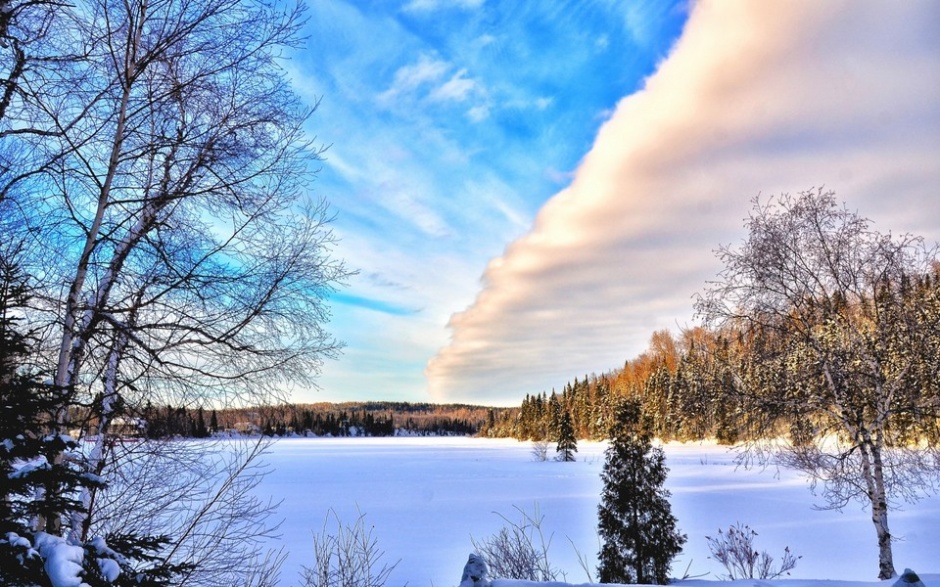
426, 497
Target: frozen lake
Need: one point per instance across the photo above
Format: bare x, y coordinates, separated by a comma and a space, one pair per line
426, 497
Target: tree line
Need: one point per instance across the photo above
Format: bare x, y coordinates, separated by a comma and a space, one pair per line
318, 419
379, 419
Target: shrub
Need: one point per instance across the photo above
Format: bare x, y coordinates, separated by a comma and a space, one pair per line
540, 451
346, 557
735, 550
519, 550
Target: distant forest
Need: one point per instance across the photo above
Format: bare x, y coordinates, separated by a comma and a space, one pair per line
681, 389
317, 419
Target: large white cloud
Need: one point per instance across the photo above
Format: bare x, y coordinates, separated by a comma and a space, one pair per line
756, 97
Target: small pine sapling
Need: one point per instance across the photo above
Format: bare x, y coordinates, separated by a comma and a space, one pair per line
567, 442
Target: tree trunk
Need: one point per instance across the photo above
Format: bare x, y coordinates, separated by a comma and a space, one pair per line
74, 331
873, 472
72, 345
81, 521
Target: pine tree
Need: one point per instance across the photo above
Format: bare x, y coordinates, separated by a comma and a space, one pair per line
37, 487
200, 430
635, 521
567, 443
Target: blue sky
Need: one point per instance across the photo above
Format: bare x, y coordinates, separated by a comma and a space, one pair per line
529, 189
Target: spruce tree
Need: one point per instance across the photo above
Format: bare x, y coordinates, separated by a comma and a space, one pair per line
567, 443
37, 487
635, 521
200, 430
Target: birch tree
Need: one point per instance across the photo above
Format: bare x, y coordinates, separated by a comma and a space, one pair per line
180, 189
157, 158
174, 199
839, 328
35, 487
172, 183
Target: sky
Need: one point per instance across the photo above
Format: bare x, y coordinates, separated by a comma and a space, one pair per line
529, 190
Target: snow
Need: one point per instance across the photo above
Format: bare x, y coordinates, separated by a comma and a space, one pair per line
108, 559
16, 540
930, 581
110, 570
426, 497
63, 561
25, 469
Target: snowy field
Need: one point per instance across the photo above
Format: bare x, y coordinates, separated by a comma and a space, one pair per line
426, 497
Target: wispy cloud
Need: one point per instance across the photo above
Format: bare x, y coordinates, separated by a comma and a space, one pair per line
458, 88
478, 113
433, 5
382, 306
433, 81
427, 70
640, 18
755, 98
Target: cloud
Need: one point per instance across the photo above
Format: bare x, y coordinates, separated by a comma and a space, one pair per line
427, 191
478, 113
429, 80
427, 70
406, 205
483, 40
372, 304
640, 18
754, 98
433, 5
544, 103
457, 89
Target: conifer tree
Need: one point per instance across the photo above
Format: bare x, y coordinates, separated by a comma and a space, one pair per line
36, 488
567, 443
200, 430
635, 521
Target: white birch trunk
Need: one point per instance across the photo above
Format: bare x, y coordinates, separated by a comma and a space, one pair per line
72, 345
873, 474
81, 521
71, 348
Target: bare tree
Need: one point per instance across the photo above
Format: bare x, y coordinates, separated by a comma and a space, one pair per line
27, 44
173, 172
154, 165
539, 450
181, 184
36, 53
838, 331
